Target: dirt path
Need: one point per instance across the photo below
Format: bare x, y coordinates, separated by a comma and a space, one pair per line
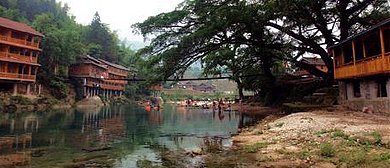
315, 139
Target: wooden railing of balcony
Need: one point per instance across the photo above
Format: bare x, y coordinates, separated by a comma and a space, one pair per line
18, 41
106, 86
122, 82
17, 76
366, 67
19, 57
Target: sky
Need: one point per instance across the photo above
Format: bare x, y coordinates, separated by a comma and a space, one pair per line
119, 14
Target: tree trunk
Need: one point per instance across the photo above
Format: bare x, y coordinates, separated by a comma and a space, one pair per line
240, 89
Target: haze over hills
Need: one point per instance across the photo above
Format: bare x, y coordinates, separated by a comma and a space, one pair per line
136, 45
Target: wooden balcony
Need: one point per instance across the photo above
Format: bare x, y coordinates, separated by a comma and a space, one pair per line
366, 67
16, 76
18, 57
18, 41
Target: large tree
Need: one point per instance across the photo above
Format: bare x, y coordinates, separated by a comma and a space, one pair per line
206, 30
100, 36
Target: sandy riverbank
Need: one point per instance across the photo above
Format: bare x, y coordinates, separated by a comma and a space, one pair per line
312, 139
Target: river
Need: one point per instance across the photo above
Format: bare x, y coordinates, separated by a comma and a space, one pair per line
117, 136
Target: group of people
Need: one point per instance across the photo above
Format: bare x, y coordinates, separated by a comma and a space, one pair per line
215, 104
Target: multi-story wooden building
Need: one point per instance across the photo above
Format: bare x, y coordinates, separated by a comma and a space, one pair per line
362, 68
19, 51
99, 77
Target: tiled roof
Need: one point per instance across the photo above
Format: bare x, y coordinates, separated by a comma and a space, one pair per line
18, 26
313, 60
114, 65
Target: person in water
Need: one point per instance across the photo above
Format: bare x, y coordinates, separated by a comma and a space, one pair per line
220, 103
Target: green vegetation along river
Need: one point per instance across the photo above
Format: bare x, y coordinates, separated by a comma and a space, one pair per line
117, 136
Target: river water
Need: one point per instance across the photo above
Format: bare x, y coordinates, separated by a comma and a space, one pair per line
118, 136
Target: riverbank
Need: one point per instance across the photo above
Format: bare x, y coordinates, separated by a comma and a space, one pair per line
14, 104
325, 139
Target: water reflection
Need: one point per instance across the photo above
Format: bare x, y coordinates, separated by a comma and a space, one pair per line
118, 136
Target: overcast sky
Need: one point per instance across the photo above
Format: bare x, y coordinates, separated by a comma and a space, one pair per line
119, 14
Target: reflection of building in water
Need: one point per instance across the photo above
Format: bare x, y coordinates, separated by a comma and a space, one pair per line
18, 145
102, 127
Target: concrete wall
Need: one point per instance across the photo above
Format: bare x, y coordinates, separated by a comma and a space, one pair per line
368, 99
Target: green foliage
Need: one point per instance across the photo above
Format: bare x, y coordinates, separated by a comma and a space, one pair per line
255, 147
327, 150
385, 156
20, 100
377, 137
137, 91
58, 87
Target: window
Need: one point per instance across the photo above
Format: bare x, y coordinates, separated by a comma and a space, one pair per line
386, 35
14, 50
36, 40
21, 51
382, 91
28, 53
356, 89
372, 44
359, 53
338, 57
29, 38
348, 54
2, 66
33, 70
25, 70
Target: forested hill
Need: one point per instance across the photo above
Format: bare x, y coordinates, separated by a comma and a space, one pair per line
65, 39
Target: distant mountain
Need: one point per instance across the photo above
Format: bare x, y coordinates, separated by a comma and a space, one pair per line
136, 45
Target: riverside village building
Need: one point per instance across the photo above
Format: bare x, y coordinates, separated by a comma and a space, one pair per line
362, 69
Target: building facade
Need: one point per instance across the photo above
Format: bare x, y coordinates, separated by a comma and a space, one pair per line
98, 77
19, 52
362, 69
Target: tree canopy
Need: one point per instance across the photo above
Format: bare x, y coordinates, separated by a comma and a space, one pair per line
197, 28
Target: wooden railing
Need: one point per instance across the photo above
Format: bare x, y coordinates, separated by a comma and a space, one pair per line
18, 41
367, 67
18, 57
105, 86
123, 82
17, 76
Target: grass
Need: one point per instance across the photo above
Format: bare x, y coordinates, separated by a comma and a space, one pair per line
384, 157
327, 150
254, 147
377, 137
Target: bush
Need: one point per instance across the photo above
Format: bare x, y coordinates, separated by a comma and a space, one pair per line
58, 87
20, 100
327, 150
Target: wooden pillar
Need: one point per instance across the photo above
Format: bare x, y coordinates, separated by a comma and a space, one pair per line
354, 53
25, 39
364, 50
6, 67
29, 70
382, 43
